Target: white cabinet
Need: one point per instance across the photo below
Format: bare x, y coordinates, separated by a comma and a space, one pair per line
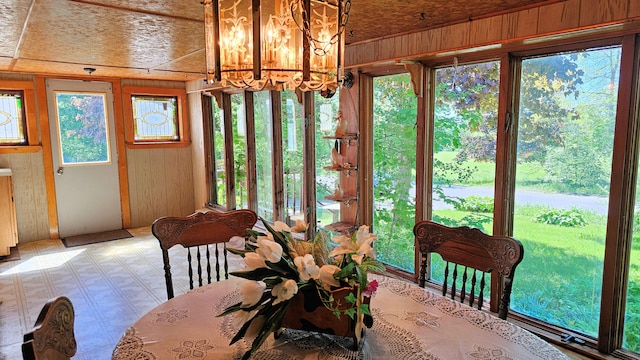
8, 222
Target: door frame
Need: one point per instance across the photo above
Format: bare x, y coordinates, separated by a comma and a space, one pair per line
47, 152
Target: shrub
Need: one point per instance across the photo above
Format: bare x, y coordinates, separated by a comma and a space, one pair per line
482, 204
562, 217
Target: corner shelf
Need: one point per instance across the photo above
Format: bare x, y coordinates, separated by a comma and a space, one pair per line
345, 199
346, 169
341, 227
347, 138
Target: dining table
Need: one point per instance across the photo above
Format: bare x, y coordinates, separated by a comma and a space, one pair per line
409, 322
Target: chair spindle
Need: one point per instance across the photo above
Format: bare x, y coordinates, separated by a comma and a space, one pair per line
463, 290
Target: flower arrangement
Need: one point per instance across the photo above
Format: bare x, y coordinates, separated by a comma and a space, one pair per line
279, 266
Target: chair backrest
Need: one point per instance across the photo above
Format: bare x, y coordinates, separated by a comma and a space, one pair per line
196, 232
474, 250
52, 337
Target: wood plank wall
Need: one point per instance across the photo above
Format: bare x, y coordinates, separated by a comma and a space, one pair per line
543, 20
29, 188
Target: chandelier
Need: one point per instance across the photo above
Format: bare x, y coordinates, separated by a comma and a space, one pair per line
275, 44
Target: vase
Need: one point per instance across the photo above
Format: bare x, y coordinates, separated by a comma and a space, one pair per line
307, 312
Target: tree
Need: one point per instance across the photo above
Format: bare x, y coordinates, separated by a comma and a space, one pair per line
394, 168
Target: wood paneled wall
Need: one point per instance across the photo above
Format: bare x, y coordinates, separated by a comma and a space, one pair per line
548, 19
30, 194
160, 184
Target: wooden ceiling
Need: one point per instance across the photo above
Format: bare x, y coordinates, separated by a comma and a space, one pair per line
160, 39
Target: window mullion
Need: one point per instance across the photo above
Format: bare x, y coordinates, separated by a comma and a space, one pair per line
309, 166
277, 161
250, 147
621, 202
228, 154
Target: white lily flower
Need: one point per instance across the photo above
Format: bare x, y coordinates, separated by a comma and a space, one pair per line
251, 292
326, 276
307, 267
240, 317
271, 251
279, 226
300, 226
254, 261
345, 246
284, 291
364, 242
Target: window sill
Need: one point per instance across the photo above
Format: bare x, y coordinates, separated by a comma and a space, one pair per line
158, 144
7, 149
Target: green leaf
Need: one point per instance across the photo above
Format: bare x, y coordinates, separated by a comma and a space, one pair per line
364, 309
351, 312
345, 271
351, 299
256, 274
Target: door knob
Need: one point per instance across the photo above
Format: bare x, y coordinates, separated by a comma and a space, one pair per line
60, 171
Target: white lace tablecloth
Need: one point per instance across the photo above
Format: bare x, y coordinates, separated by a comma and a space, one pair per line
409, 323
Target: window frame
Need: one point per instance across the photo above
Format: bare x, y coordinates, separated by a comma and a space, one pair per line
32, 144
622, 194
183, 120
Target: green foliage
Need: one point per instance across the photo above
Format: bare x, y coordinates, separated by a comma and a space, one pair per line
83, 132
561, 217
482, 204
394, 159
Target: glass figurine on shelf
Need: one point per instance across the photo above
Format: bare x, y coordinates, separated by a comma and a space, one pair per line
336, 158
341, 129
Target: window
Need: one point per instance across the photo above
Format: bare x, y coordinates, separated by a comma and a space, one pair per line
326, 111
292, 146
239, 124
12, 118
155, 117
82, 128
218, 169
264, 154
464, 148
394, 159
566, 123
18, 126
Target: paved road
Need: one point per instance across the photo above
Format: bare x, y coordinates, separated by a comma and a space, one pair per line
598, 204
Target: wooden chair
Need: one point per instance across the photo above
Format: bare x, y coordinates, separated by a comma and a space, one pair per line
52, 337
197, 232
474, 250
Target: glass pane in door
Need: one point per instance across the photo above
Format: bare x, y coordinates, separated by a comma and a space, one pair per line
82, 128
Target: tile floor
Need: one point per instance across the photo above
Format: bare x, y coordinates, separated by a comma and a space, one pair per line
110, 284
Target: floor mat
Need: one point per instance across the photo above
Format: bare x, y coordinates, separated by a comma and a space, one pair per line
79, 240
14, 255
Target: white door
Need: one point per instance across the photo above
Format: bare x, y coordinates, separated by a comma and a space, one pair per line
84, 156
